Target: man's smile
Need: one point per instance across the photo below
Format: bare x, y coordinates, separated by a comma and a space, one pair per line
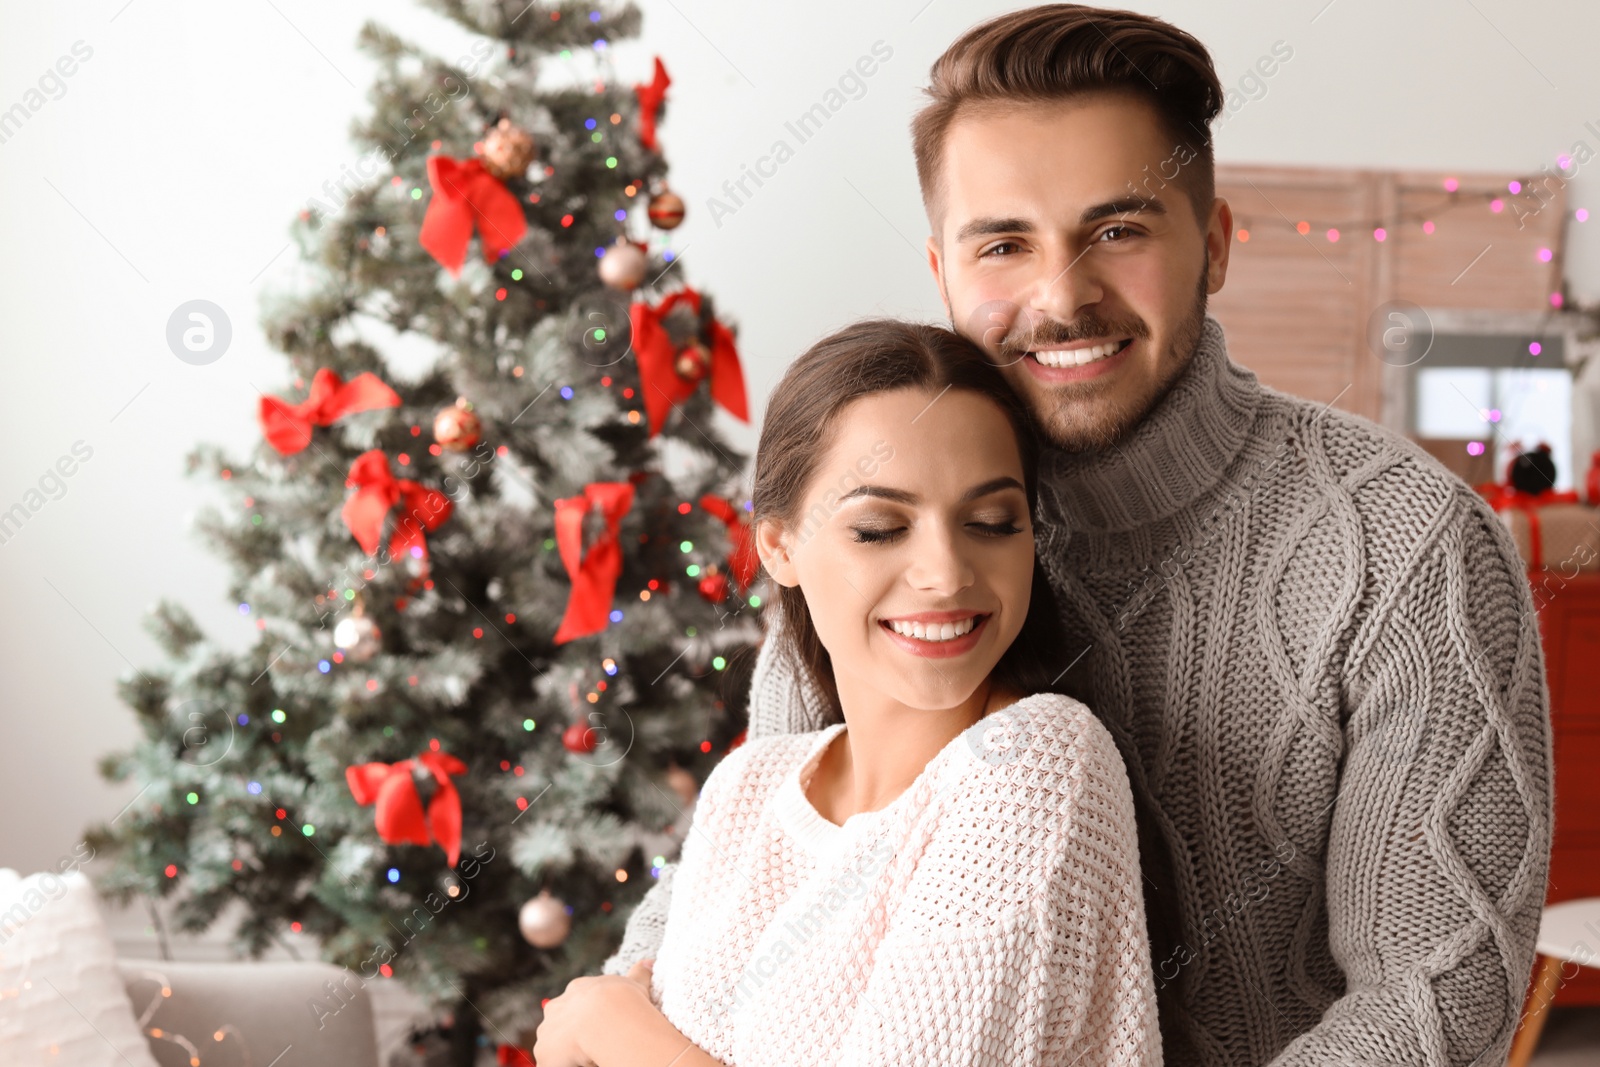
1078, 361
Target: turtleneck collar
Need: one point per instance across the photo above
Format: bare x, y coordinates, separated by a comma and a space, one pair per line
1180, 450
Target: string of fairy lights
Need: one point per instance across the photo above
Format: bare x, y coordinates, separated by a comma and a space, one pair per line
1455, 198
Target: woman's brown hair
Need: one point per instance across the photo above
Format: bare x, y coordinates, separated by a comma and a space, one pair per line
876, 356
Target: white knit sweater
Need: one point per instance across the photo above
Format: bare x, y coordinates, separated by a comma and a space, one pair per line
993, 913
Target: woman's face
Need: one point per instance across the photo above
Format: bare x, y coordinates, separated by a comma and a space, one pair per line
913, 545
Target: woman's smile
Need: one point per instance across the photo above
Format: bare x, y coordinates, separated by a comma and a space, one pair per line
936, 634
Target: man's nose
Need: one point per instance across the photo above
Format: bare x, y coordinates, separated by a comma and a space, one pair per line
1066, 283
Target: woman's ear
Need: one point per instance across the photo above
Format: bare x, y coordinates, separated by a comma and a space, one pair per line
773, 548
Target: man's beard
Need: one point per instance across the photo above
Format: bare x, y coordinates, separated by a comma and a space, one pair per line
1079, 416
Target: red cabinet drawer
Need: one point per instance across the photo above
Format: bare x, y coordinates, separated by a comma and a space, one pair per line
1577, 787
1569, 622
1578, 684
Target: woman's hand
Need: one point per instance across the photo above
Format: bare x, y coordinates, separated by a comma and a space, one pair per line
601, 1000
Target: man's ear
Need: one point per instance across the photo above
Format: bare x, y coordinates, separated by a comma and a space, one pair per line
773, 548
1219, 240
938, 280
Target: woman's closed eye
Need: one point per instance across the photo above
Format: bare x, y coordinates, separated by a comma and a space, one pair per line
999, 527
876, 534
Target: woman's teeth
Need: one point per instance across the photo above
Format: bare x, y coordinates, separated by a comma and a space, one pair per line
934, 631
1076, 357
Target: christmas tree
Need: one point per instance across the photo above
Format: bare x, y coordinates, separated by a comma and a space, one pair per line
501, 610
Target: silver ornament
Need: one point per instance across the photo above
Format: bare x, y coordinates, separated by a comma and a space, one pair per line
544, 921
623, 266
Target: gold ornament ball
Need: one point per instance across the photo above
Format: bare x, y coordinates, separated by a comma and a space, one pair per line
544, 921
666, 210
457, 428
623, 266
693, 361
358, 636
506, 150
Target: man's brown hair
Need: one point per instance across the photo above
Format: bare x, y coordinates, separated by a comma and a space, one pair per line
1059, 51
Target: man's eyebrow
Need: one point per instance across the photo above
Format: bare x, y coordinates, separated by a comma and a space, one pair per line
989, 225
901, 496
1125, 205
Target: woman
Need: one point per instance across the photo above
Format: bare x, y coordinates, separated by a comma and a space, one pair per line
948, 873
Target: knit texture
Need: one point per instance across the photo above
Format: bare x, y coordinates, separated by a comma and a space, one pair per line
992, 914
1317, 652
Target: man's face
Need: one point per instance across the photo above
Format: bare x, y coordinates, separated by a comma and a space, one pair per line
1073, 258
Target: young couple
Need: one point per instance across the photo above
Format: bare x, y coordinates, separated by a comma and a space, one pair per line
1114, 706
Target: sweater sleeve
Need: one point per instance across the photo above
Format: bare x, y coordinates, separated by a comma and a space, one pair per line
776, 685
1099, 998
783, 699
642, 937
1439, 846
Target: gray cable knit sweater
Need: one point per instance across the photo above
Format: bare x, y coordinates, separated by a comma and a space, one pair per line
1317, 652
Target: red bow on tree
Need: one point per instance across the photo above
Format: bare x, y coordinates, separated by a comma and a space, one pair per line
288, 426
594, 573
651, 98
659, 379
743, 560
465, 195
399, 817
378, 491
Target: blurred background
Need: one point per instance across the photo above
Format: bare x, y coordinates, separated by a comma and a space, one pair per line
1434, 160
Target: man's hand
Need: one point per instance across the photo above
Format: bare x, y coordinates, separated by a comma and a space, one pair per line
603, 1000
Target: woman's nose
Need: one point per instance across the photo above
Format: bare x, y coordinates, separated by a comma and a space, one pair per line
939, 563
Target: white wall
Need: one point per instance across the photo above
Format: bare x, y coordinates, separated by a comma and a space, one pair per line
171, 165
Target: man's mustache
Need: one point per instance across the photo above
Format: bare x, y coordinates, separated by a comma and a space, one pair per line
1051, 334
1013, 334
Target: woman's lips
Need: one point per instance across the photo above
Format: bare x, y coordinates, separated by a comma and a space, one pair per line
937, 649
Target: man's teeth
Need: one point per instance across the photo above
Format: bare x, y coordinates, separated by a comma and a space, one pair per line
1076, 357
934, 631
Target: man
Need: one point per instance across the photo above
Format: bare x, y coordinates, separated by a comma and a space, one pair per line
1315, 648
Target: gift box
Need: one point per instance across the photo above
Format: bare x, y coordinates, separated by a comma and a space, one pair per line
1554, 529
1563, 536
